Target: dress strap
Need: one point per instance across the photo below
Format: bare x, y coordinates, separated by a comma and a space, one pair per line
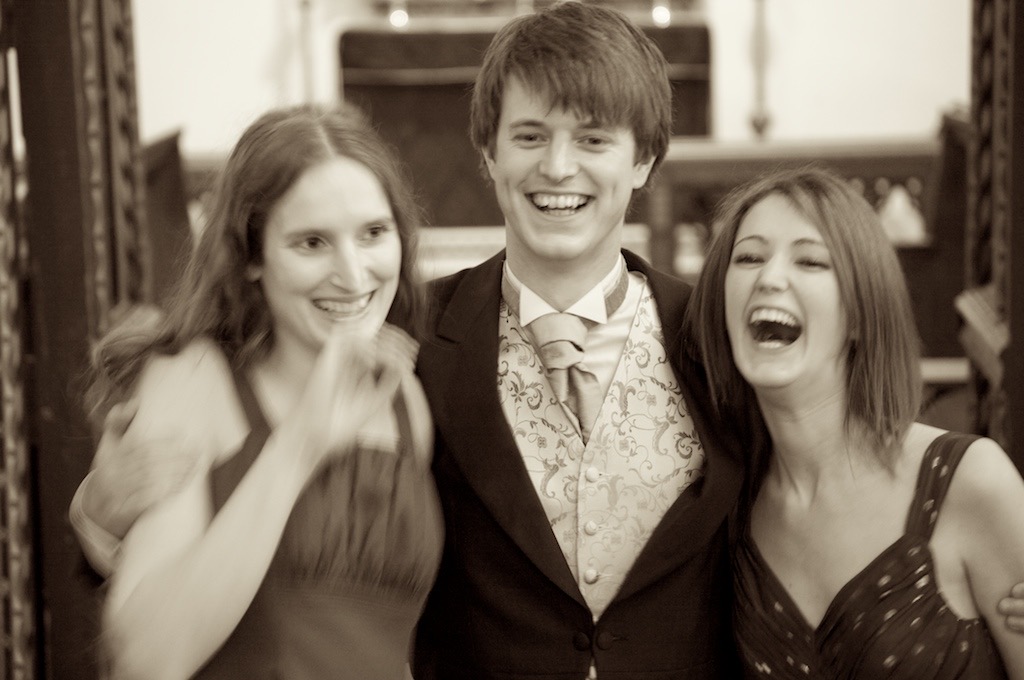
406, 443
937, 468
225, 476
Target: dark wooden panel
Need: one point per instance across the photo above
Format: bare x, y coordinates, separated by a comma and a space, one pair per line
1014, 181
58, 209
83, 216
991, 306
167, 218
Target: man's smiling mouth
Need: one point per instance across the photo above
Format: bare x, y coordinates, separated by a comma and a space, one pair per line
559, 203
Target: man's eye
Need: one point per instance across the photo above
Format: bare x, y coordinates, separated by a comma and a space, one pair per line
527, 137
311, 242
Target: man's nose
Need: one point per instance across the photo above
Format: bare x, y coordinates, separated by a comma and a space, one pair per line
559, 161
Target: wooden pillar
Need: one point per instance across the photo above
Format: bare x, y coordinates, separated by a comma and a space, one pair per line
17, 560
992, 306
82, 224
1013, 183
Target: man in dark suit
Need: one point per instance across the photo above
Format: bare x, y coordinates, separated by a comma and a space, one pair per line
578, 544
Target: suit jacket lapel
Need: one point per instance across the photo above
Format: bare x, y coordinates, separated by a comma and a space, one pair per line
458, 369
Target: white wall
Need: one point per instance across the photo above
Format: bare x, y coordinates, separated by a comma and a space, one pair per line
842, 68
837, 68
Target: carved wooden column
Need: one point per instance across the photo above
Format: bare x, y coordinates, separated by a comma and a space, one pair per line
17, 586
85, 247
992, 306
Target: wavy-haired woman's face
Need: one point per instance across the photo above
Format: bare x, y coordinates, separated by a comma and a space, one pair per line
331, 255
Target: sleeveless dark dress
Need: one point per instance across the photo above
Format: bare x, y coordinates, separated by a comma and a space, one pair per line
348, 581
888, 621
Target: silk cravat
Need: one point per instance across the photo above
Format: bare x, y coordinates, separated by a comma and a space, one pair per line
560, 339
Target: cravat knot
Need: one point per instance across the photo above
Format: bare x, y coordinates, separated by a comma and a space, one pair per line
560, 339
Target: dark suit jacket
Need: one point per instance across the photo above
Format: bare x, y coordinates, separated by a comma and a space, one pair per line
505, 604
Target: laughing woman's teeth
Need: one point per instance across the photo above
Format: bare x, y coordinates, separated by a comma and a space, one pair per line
774, 328
773, 315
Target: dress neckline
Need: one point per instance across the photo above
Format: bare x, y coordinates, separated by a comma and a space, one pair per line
907, 538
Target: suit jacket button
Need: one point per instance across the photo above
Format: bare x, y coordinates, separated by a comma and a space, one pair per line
581, 641
605, 640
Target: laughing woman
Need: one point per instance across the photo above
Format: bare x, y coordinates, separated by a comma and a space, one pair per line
307, 542
874, 546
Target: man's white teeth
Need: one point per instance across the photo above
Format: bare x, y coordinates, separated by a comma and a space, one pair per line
559, 201
343, 307
773, 316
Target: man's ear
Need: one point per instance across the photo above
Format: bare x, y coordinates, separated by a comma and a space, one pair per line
641, 171
253, 273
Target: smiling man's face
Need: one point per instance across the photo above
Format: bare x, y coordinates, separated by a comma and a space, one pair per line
563, 182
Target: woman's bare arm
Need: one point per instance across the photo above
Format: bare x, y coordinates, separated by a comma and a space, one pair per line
987, 495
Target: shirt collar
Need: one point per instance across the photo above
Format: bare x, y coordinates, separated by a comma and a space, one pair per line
591, 306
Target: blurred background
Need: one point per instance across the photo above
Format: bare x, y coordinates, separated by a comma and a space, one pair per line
116, 115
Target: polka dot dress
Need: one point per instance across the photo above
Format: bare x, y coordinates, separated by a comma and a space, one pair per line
889, 621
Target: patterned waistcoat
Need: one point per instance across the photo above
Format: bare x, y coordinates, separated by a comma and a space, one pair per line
603, 498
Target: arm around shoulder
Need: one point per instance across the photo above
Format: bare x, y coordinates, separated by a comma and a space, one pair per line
100, 547
159, 589
132, 473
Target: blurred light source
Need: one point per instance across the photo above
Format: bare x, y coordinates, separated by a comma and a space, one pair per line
661, 14
398, 17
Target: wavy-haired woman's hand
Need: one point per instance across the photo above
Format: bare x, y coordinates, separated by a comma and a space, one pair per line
353, 379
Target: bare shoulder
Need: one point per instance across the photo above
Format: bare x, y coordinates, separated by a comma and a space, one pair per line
188, 394
987, 484
919, 438
984, 505
200, 359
